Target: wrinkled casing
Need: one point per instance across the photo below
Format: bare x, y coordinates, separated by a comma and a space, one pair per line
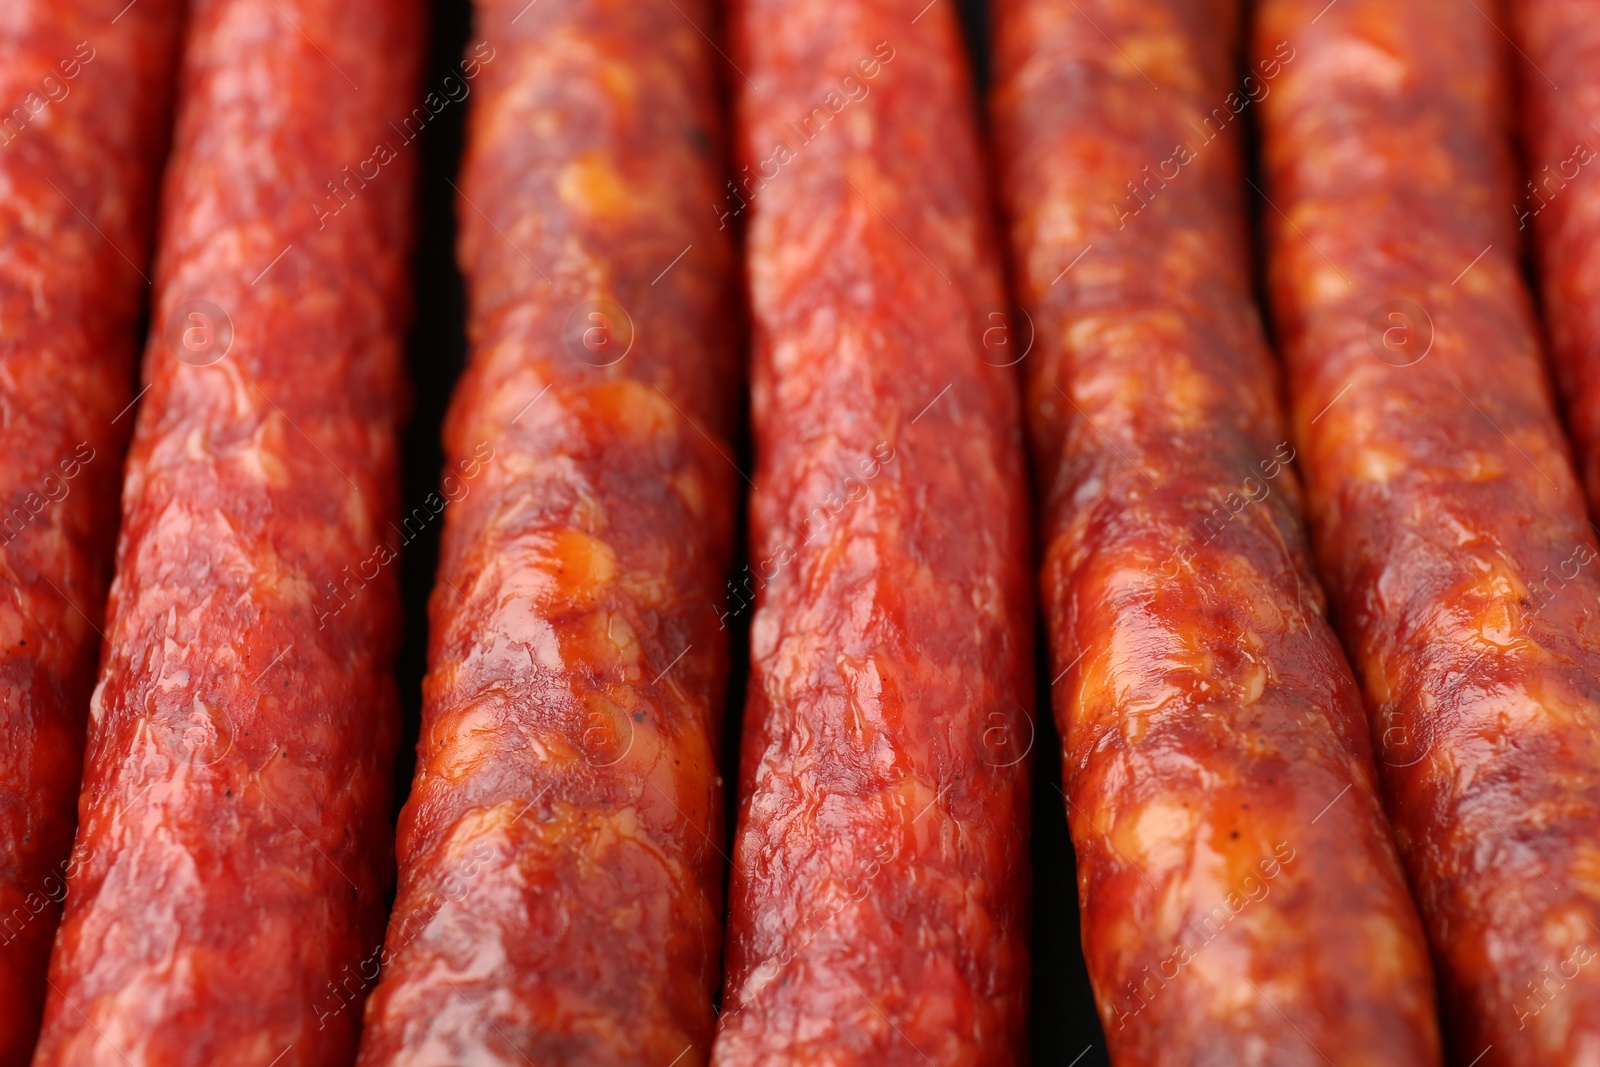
1558, 202
560, 856
878, 904
234, 814
80, 155
1445, 510
1242, 902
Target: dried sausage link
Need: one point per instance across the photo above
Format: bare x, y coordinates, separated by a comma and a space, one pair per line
560, 856
234, 814
1558, 203
878, 905
1237, 876
85, 92
1442, 498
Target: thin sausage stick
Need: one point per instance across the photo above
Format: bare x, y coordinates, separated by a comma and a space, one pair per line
560, 856
1242, 900
85, 92
1558, 203
234, 814
878, 909
1443, 501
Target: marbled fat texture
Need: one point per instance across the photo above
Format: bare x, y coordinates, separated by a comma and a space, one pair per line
85, 92
234, 816
561, 864
879, 900
1242, 901
1558, 202
1444, 505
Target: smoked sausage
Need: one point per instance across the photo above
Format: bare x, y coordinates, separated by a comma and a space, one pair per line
561, 858
1242, 901
1558, 203
85, 94
878, 904
1444, 506
233, 824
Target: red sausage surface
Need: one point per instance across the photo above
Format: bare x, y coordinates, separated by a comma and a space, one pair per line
560, 856
1242, 901
1558, 202
878, 904
85, 94
1445, 509
234, 815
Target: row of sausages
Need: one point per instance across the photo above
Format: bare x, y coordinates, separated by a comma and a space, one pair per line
1285, 855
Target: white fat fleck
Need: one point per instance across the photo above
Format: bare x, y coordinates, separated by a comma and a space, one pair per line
764, 634
544, 647
1351, 59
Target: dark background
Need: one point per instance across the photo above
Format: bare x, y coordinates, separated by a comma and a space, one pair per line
1065, 1030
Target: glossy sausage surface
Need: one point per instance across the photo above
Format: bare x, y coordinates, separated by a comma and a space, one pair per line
85, 93
878, 904
1241, 897
1558, 202
561, 862
234, 814
1446, 512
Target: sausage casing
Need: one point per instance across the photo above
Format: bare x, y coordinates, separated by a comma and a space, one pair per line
560, 858
237, 783
85, 92
1442, 498
1559, 200
1242, 899
878, 902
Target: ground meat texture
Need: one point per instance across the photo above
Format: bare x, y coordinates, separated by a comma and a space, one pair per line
878, 901
233, 820
560, 856
1241, 897
1445, 509
1559, 200
84, 106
